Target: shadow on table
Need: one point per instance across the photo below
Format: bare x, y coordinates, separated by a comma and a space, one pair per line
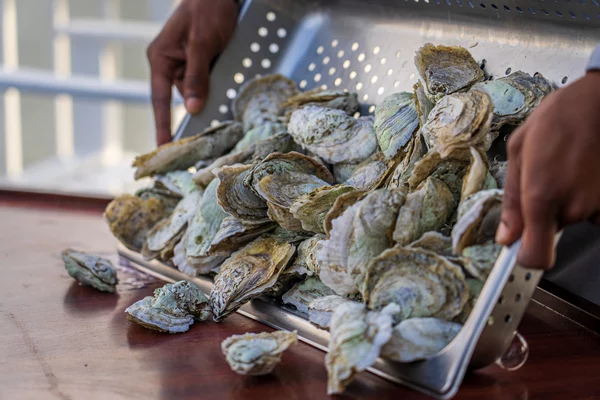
84, 300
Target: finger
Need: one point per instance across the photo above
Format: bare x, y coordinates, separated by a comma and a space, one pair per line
511, 222
541, 224
161, 83
195, 84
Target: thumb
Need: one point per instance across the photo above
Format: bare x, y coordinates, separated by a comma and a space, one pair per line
511, 222
195, 84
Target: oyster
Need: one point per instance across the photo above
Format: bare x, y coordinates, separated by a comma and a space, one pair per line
162, 238
248, 273
179, 182
341, 204
91, 270
396, 120
514, 96
419, 339
202, 229
475, 288
498, 170
371, 173
477, 177
304, 263
311, 208
435, 242
236, 197
256, 353
362, 232
321, 309
259, 100
446, 69
255, 152
343, 171
173, 308
402, 172
130, 218
233, 234
258, 134
459, 120
422, 103
478, 219
421, 283
168, 198
340, 100
479, 259
184, 153
426, 209
302, 293
357, 336
333, 135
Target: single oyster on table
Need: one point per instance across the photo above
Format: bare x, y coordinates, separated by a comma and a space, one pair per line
446, 69
321, 309
234, 234
371, 173
396, 120
311, 208
362, 232
340, 100
302, 293
514, 96
426, 209
421, 283
248, 273
259, 100
282, 143
130, 218
357, 336
459, 120
256, 353
333, 135
281, 179
91, 270
173, 308
184, 153
419, 339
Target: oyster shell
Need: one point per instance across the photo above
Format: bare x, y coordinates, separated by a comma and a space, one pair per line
237, 198
340, 100
357, 336
233, 234
402, 172
333, 135
362, 232
173, 308
343, 171
304, 263
255, 152
302, 293
371, 173
396, 120
311, 208
341, 204
478, 219
422, 103
435, 242
168, 198
459, 120
259, 99
426, 209
321, 309
479, 259
91, 270
179, 182
184, 153
498, 170
162, 238
514, 96
475, 288
130, 218
421, 283
256, 353
248, 273
419, 339
446, 69
259, 133
477, 177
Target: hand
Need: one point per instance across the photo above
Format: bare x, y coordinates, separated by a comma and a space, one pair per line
553, 177
181, 54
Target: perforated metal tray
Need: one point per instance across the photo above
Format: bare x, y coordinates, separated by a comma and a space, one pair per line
368, 47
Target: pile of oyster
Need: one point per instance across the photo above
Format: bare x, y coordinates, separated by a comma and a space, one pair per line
378, 228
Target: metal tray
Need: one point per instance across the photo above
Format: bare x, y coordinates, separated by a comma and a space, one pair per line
368, 47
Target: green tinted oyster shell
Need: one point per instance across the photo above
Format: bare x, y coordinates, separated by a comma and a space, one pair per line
396, 120
234, 234
311, 208
402, 172
479, 259
91, 270
333, 135
321, 309
446, 69
340, 100
422, 103
256, 353
179, 182
498, 169
302, 293
478, 219
259, 133
173, 308
371, 173
184, 153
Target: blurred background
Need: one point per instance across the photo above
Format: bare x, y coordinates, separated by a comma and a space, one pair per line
74, 93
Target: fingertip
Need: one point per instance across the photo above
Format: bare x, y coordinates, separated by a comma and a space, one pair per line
537, 249
194, 105
503, 235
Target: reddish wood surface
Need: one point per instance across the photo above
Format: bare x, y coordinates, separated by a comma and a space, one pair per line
64, 341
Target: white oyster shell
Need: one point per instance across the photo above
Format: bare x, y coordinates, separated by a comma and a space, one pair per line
321, 309
91, 270
302, 293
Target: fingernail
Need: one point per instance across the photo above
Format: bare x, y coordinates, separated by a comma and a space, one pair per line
193, 105
502, 234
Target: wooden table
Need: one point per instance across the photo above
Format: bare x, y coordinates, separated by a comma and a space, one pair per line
64, 341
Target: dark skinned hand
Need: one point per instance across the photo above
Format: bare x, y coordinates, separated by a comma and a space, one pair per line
553, 177
181, 55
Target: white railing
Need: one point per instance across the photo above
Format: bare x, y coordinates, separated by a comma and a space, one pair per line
74, 92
